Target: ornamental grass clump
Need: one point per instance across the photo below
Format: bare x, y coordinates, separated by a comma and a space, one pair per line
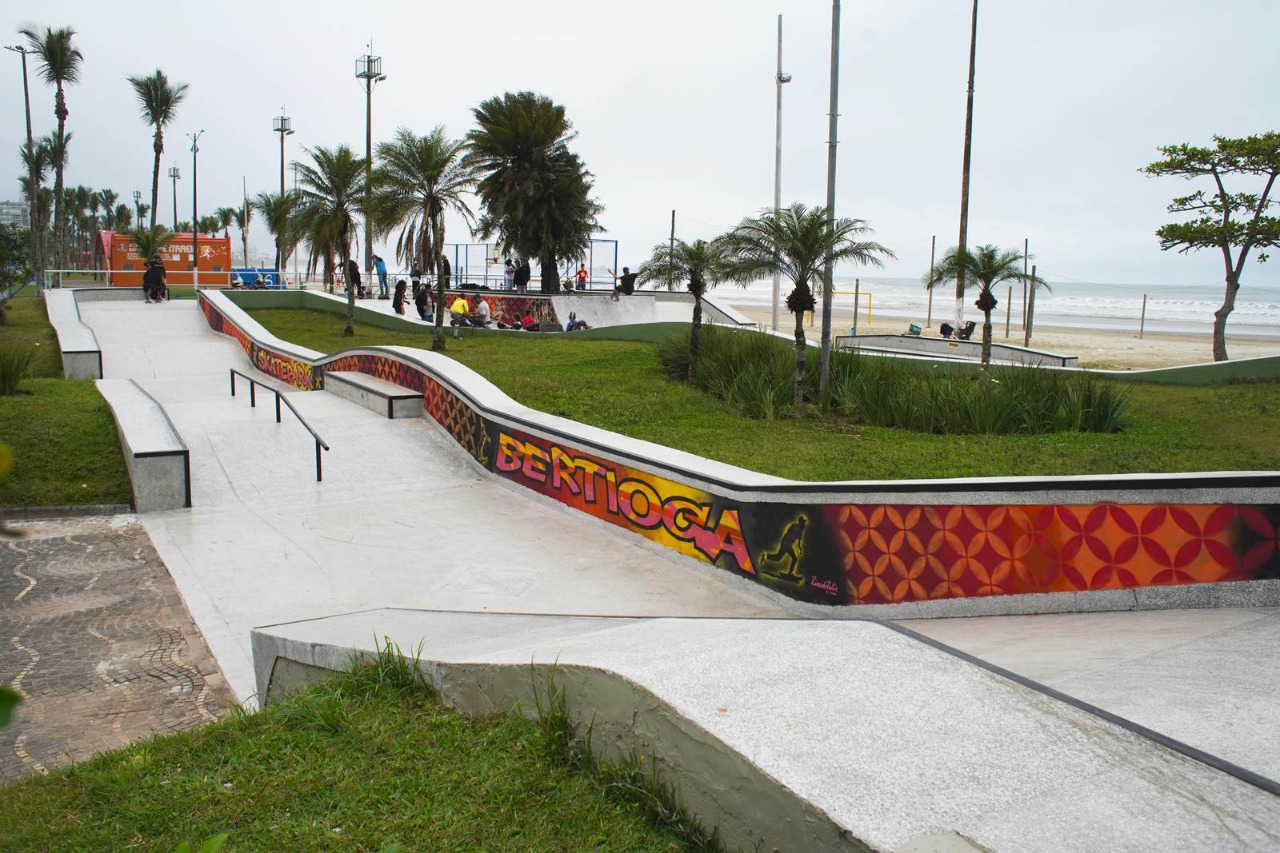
15, 362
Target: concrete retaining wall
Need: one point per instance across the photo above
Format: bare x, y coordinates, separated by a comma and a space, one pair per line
158, 461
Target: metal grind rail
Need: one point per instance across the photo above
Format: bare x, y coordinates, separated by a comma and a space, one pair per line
253, 404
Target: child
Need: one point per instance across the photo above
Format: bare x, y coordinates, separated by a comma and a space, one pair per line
400, 299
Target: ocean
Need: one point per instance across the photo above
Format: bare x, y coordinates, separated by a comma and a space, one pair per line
1183, 309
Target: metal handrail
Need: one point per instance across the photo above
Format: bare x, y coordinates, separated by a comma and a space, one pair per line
253, 404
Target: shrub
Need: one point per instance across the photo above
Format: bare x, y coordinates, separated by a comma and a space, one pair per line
14, 364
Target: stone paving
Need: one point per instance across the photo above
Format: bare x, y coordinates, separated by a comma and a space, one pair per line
94, 634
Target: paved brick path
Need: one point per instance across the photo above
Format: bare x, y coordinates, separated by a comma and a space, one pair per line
94, 634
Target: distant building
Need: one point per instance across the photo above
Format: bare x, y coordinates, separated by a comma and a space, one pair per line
15, 213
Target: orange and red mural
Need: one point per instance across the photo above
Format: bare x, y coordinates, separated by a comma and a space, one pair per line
844, 553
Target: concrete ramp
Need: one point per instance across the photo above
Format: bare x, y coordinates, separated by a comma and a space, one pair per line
599, 309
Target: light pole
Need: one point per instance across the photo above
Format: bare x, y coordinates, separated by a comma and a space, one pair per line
174, 174
32, 190
137, 207
777, 167
282, 125
828, 276
296, 280
195, 210
368, 69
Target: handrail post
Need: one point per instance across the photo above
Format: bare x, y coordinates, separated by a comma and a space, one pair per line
253, 396
277, 406
233, 382
319, 468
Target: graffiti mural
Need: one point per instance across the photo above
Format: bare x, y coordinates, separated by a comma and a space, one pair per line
843, 553
510, 309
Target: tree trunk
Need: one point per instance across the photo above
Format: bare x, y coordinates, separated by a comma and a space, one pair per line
437, 246
695, 332
549, 276
244, 240
986, 338
350, 330
1220, 318
59, 222
798, 379
155, 175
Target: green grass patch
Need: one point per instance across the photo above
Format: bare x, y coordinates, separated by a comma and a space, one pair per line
356, 763
65, 448
620, 386
28, 326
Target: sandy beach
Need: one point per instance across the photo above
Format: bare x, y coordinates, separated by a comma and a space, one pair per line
1094, 348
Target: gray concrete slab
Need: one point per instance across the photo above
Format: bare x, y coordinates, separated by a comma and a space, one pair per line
892, 739
1209, 678
403, 516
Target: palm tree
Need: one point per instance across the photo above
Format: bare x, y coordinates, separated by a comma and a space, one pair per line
150, 240
226, 216
210, 224
183, 227
703, 265
988, 266
37, 158
418, 179
158, 100
794, 241
107, 198
59, 65
279, 212
535, 192
332, 193
242, 217
123, 217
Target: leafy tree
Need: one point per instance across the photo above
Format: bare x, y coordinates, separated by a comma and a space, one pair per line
987, 266
332, 195
150, 240
60, 62
14, 269
210, 225
158, 100
280, 212
1235, 223
701, 264
242, 217
794, 242
123, 217
37, 159
226, 216
418, 179
536, 193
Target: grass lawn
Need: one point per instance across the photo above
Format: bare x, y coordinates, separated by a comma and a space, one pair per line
618, 386
65, 448
352, 764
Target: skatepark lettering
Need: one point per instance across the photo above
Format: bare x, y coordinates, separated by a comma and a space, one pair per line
829, 587
296, 373
586, 481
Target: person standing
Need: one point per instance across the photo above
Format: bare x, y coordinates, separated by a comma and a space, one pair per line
522, 276
353, 278
446, 271
508, 274
582, 276
422, 301
380, 267
398, 304
154, 279
415, 279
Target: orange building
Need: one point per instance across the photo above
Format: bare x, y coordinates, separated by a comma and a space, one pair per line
117, 253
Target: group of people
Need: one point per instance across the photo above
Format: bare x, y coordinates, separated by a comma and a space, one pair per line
380, 270
155, 284
516, 277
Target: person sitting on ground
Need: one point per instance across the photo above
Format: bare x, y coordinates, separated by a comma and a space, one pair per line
574, 323
483, 312
529, 324
153, 279
458, 310
422, 301
398, 304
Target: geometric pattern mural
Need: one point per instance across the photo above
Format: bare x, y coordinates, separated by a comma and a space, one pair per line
845, 553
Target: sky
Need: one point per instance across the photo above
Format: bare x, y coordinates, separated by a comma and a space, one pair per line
674, 107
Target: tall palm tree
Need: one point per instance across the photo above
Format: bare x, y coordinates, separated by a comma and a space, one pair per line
226, 216
332, 195
536, 193
988, 266
123, 217
59, 66
36, 157
158, 101
150, 240
279, 212
794, 241
418, 179
243, 216
703, 265
209, 225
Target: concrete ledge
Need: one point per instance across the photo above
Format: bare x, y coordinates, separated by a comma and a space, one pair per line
779, 742
81, 355
158, 461
377, 395
970, 350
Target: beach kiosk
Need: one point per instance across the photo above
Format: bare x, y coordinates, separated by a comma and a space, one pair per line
115, 252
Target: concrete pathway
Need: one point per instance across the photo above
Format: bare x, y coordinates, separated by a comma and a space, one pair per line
403, 518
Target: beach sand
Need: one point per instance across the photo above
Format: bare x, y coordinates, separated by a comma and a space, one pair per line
1094, 348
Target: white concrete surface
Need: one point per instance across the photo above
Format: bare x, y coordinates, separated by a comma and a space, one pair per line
403, 517
892, 739
81, 355
1209, 678
157, 459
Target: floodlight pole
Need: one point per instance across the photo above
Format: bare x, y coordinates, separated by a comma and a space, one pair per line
369, 69
195, 211
174, 174
32, 189
829, 266
779, 79
282, 125
137, 206
962, 248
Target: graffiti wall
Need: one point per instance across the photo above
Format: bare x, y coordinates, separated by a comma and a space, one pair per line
509, 309
846, 553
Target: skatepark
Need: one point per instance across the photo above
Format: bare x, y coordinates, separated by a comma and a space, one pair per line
1051, 718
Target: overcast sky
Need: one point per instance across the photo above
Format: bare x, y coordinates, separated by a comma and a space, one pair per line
673, 103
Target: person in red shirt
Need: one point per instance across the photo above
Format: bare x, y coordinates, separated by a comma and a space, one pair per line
583, 275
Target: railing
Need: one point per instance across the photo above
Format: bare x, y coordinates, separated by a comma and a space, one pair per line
253, 404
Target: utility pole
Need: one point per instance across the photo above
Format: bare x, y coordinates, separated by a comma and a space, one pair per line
962, 248
195, 211
834, 115
933, 246
369, 69
174, 174
671, 268
37, 261
780, 79
282, 125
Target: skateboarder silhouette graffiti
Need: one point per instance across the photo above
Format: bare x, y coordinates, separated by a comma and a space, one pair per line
790, 548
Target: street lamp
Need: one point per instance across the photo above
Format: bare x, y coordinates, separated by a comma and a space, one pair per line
780, 79
282, 125
368, 69
137, 207
32, 189
174, 174
195, 211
